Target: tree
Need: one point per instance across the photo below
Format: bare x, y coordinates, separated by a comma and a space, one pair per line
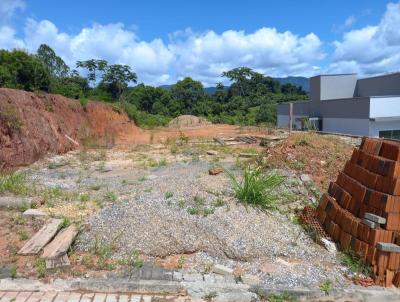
55, 65
117, 78
239, 76
93, 66
144, 97
187, 93
220, 93
23, 71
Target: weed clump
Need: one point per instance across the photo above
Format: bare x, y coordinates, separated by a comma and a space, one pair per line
256, 188
14, 182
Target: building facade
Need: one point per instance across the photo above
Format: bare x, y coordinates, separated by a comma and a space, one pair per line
344, 104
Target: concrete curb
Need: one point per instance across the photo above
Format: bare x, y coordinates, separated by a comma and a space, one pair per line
96, 285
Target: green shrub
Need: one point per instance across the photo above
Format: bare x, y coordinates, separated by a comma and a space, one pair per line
256, 188
83, 101
354, 262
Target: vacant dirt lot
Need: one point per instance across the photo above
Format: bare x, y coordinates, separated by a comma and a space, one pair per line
159, 201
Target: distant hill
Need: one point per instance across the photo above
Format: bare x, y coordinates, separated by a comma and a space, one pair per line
297, 81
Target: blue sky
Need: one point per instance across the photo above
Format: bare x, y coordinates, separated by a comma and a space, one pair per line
166, 40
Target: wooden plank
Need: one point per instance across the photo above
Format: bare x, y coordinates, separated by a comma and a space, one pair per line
57, 262
60, 245
41, 238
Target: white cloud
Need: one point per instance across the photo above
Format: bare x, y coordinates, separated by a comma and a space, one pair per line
203, 56
372, 49
8, 8
206, 55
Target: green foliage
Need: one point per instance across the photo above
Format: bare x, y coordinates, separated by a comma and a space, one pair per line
54, 64
326, 286
40, 266
13, 271
168, 195
354, 262
256, 188
251, 98
181, 262
14, 182
83, 101
21, 70
65, 223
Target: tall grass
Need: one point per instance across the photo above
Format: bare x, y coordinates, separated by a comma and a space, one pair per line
14, 182
256, 188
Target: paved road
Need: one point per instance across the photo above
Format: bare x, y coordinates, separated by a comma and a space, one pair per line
28, 296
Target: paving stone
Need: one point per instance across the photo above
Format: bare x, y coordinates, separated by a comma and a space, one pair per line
48, 297
22, 296
9, 296
135, 298
388, 247
99, 297
62, 297
87, 297
375, 218
74, 297
34, 213
35, 297
222, 270
369, 223
177, 276
123, 298
111, 298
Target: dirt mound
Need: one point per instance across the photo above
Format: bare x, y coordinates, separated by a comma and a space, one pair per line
34, 124
187, 121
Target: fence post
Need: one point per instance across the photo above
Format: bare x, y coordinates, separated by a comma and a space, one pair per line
290, 118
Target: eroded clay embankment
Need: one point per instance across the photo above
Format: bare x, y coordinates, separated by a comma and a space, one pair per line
34, 124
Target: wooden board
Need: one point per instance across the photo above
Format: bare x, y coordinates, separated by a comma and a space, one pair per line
41, 238
60, 245
58, 262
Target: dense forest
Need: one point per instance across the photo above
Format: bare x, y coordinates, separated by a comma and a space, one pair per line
250, 99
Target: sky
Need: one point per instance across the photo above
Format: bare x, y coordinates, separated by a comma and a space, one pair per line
164, 41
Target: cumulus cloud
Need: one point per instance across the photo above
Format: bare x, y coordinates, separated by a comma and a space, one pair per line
203, 56
8, 8
206, 55
372, 49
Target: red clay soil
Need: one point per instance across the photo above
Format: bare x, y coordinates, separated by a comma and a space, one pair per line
35, 124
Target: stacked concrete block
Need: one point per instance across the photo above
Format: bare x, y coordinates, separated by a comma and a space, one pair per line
361, 210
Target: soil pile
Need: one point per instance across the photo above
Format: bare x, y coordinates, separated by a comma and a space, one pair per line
34, 124
187, 121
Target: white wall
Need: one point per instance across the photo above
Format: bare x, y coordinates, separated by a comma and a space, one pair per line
346, 126
384, 107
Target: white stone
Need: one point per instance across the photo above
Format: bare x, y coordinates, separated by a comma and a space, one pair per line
34, 213
222, 270
250, 280
329, 245
212, 152
305, 178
